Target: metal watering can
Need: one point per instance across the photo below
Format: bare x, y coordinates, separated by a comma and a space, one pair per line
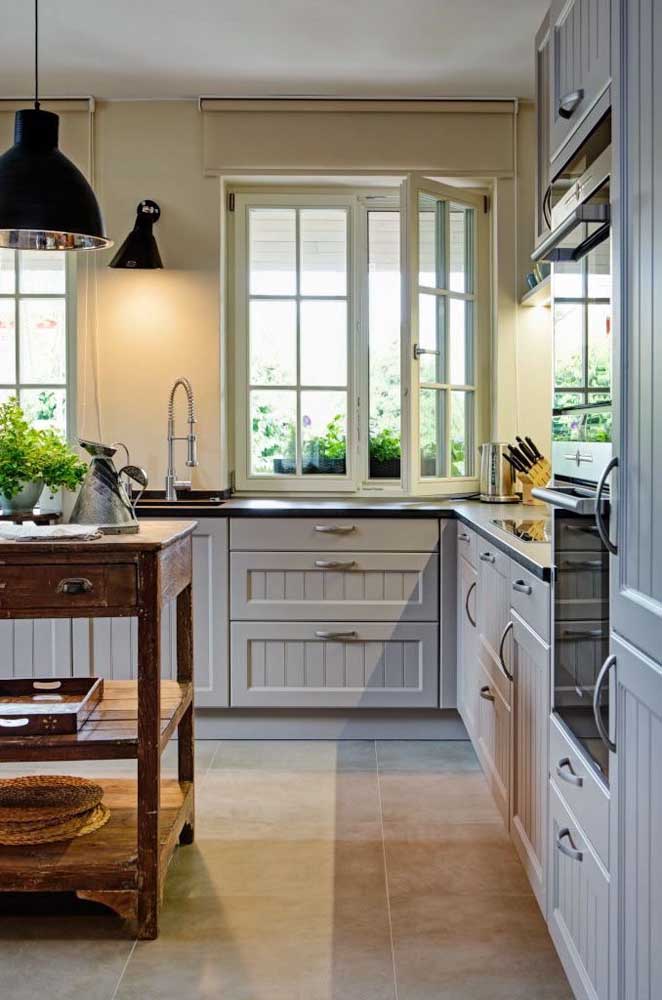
105, 495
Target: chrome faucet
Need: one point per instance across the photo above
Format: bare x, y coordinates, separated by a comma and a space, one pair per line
171, 482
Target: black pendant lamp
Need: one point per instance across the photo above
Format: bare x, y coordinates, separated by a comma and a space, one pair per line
139, 250
45, 201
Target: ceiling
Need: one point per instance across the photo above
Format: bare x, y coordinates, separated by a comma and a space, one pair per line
122, 49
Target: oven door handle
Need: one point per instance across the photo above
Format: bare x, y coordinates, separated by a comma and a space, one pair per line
575, 504
597, 691
551, 250
599, 518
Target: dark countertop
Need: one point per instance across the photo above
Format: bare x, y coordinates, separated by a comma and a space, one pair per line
534, 556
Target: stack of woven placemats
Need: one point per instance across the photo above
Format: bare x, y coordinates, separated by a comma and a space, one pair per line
43, 808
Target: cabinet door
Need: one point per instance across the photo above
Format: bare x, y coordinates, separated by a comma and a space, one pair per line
528, 824
636, 827
543, 52
494, 739
580, 72
467, 646
578, 906
493, 600
636, 581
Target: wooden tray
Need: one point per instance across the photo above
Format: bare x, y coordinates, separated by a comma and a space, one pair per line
36, 707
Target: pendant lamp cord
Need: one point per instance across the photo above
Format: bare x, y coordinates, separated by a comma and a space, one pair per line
36, 55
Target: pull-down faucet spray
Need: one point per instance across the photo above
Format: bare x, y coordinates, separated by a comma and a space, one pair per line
171, 482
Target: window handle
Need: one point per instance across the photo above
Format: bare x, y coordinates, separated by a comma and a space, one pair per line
418, 351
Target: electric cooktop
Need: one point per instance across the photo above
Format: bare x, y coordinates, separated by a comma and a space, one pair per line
528, 530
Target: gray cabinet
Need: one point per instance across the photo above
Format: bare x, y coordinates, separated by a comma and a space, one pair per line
543, 57
494, 733
467, 645
579, 92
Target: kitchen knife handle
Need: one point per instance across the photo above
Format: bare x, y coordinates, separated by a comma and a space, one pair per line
526, 451
534, 448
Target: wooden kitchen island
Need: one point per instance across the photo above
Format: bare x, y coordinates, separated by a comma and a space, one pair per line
123, 864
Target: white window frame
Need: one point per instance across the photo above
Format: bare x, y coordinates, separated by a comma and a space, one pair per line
358, 201
70, 307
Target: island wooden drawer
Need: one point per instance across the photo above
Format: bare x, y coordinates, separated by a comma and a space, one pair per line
347, 586
302, 534
49, 585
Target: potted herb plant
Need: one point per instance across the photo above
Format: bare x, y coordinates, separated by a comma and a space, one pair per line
327, 454
385, 454
31, 459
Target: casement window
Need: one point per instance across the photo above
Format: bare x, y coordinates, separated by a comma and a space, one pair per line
357, 338
36, 359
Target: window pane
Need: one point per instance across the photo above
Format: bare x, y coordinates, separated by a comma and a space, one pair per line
599, 345
432, 420
568, 281
273, 431
272, 251
324, 432
568, 344
42, 272
461, 419
273, 342
7, 276
430, 225
323, 251
460, 341
324, 342
460, 249
7, 341
565, 399
42, 340
384, 343
598, 268
431, 309
45, 407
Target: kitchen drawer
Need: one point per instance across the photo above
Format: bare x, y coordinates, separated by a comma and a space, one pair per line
68, 586
582, 586
489, 554
318, 586
580, 787
576, 533
496, 676
578, 908
494, 739
467, 543
303, 534
334, 664
530, 597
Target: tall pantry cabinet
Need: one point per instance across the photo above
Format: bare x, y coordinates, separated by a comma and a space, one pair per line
636, 572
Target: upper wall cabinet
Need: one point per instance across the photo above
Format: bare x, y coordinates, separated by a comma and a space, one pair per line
543, 83
580, 74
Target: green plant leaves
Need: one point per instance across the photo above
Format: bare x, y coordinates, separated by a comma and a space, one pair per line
28, 454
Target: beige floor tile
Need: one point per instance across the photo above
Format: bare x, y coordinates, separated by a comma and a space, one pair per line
474, 947
327, 756
427, 756
415, 805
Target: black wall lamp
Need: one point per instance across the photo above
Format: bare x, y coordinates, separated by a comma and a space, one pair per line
139, 250
45, 201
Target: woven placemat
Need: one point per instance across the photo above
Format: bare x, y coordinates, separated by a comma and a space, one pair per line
17, 834
46, 796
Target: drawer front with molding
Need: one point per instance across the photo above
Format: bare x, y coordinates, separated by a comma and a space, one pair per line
578, 910
334, 665
582, 790
304, 534
68, 586
530, 597
352, 586
467, 543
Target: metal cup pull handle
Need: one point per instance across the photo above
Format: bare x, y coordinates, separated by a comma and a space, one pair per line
487, 557
522, 588
565, 772
486, 693
74, 585
570, 852
570, 102
14, 723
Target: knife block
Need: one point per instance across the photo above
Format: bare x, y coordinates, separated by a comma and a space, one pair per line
527, 486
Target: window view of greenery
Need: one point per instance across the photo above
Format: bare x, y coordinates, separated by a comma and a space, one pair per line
445, 335
384, 343
298, 341
33, 341
582, 345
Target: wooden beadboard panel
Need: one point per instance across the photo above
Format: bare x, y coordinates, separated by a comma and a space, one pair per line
494, 741
36, 648
578, 906
286, 664
372, 586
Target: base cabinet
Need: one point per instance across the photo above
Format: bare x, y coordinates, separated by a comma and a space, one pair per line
467, 646
578, 905
494, 742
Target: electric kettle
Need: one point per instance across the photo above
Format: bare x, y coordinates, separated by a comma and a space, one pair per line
104, 499
497, 478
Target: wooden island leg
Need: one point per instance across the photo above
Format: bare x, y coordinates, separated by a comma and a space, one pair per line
149, 753
185, 731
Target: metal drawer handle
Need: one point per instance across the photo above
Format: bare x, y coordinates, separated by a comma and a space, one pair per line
463, 536
487, 557
597, 691
486, 693
334, 564
570, 852
599, 519
341, 636
74, 585
501, 644
565, 772
570, 102
583, 564
595, 633
466, 604
335, 529
14, 723
522, 588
